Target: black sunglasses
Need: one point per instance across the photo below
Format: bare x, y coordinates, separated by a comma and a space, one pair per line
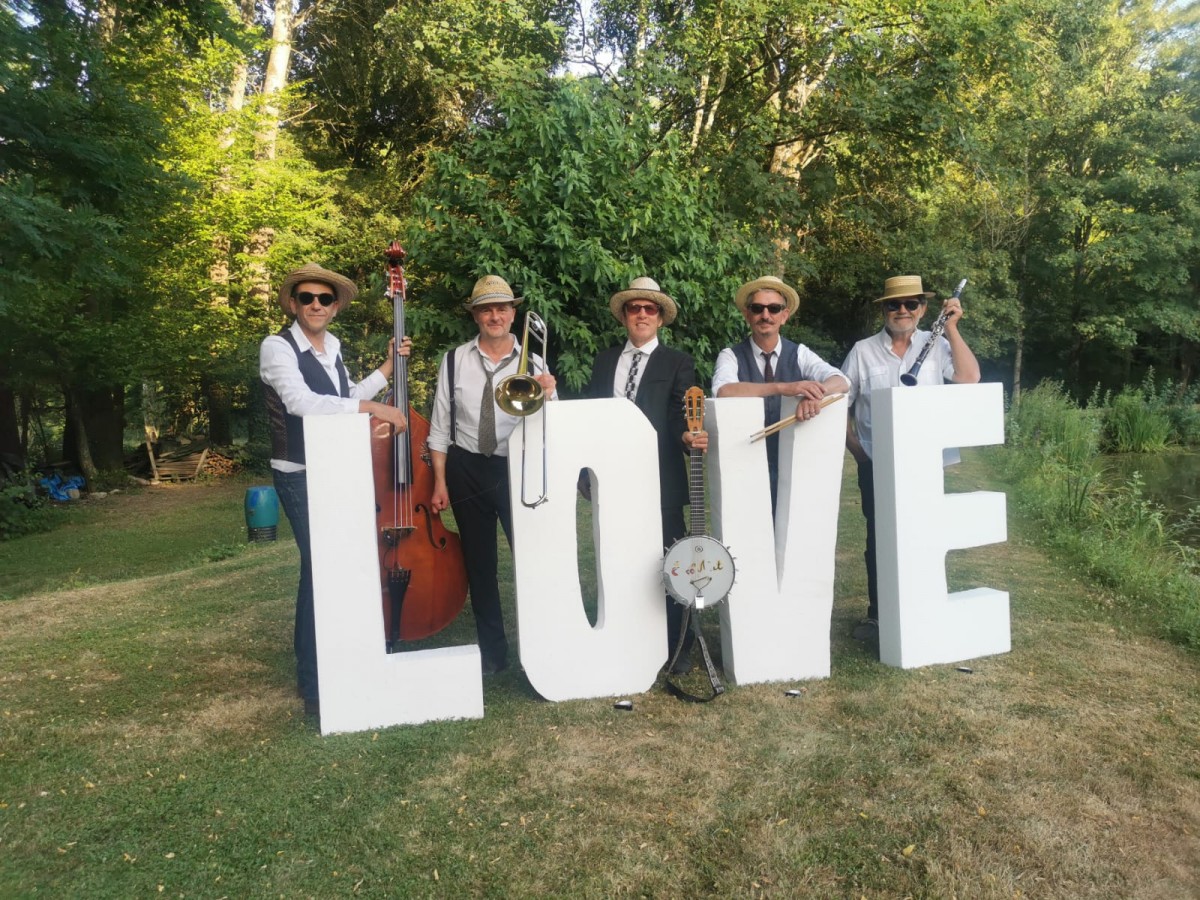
910, 305
759, 308
325, 299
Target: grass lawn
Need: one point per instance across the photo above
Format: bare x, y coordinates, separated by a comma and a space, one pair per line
151, 744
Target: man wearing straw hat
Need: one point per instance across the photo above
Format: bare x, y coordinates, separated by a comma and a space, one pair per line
468, 443
655, 378
878, 362
770, 366
303, 375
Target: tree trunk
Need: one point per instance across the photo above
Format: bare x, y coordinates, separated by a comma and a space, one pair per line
103, 413
219, 401
258, 428
75, 438
1018, 362
276, 77
259, 293
12, 454
1019, 354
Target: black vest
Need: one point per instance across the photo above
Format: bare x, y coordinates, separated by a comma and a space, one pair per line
787, 368
287, 431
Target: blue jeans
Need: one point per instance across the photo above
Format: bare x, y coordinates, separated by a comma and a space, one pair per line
292, 488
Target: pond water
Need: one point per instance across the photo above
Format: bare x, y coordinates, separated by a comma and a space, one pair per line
1170, 479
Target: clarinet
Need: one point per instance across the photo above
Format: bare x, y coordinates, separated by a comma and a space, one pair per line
936, 330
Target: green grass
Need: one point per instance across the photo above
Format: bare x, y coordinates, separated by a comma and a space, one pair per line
1113, 533
138, 531
150, 743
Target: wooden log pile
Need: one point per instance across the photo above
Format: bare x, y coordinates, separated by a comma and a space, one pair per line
168, 460
181, 465
217, 463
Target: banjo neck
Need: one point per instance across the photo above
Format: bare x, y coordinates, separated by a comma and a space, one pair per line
697, 518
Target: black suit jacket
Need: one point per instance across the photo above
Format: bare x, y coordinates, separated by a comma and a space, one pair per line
667, 376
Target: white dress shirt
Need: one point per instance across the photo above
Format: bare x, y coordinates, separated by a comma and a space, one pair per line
871, 364
812, 367
625, 363
279, 367
471, 366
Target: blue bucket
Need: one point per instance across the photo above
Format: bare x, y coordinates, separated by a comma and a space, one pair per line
262, 512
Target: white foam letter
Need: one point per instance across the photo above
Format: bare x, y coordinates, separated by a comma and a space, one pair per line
361, 685
916, 522
775, 625
564, 657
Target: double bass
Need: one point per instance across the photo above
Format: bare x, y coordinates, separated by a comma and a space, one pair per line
422, 572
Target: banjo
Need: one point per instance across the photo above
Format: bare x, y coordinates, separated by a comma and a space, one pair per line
698, 569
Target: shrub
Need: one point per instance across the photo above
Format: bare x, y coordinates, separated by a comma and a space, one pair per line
22, 511
1136, 424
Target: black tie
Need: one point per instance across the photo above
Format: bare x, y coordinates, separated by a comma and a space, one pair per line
768, 372
631, 381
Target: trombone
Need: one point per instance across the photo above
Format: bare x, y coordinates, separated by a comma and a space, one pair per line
520, 395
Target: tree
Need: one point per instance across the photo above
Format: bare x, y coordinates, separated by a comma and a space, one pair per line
569, 194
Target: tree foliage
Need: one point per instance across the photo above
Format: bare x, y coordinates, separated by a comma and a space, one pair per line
569, 196
162, 163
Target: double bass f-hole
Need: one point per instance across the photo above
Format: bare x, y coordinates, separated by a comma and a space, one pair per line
422, 573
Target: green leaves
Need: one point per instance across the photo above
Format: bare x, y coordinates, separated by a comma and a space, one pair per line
580, 196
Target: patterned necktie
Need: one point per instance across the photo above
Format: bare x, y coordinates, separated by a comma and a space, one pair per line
768, 372
487, 417
631, 381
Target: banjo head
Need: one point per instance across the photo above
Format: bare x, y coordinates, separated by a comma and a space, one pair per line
698, 571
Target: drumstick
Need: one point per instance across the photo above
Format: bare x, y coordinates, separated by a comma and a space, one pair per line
790, 420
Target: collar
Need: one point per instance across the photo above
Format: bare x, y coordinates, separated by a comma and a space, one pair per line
884, 339
647, 348
332, 344
773, 351
475, 348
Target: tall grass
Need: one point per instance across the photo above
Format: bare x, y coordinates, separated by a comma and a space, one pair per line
1134, 426
1149, 417
1118, 535
1058, 452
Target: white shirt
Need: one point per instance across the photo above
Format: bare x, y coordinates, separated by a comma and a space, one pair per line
871, 364
812, 367
471, 366
279, 367
625, 363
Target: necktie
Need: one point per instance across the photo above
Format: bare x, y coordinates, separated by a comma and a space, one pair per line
631, 381
768, 372
487, 417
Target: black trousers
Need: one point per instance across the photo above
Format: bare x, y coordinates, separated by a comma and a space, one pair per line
479, 495
866, 487
292, 488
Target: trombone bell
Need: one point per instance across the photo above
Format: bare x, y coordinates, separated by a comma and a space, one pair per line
520, 395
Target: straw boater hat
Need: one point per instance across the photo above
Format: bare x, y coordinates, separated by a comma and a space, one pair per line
643, 289
343, 288
900, 287
767, 283
491, 289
